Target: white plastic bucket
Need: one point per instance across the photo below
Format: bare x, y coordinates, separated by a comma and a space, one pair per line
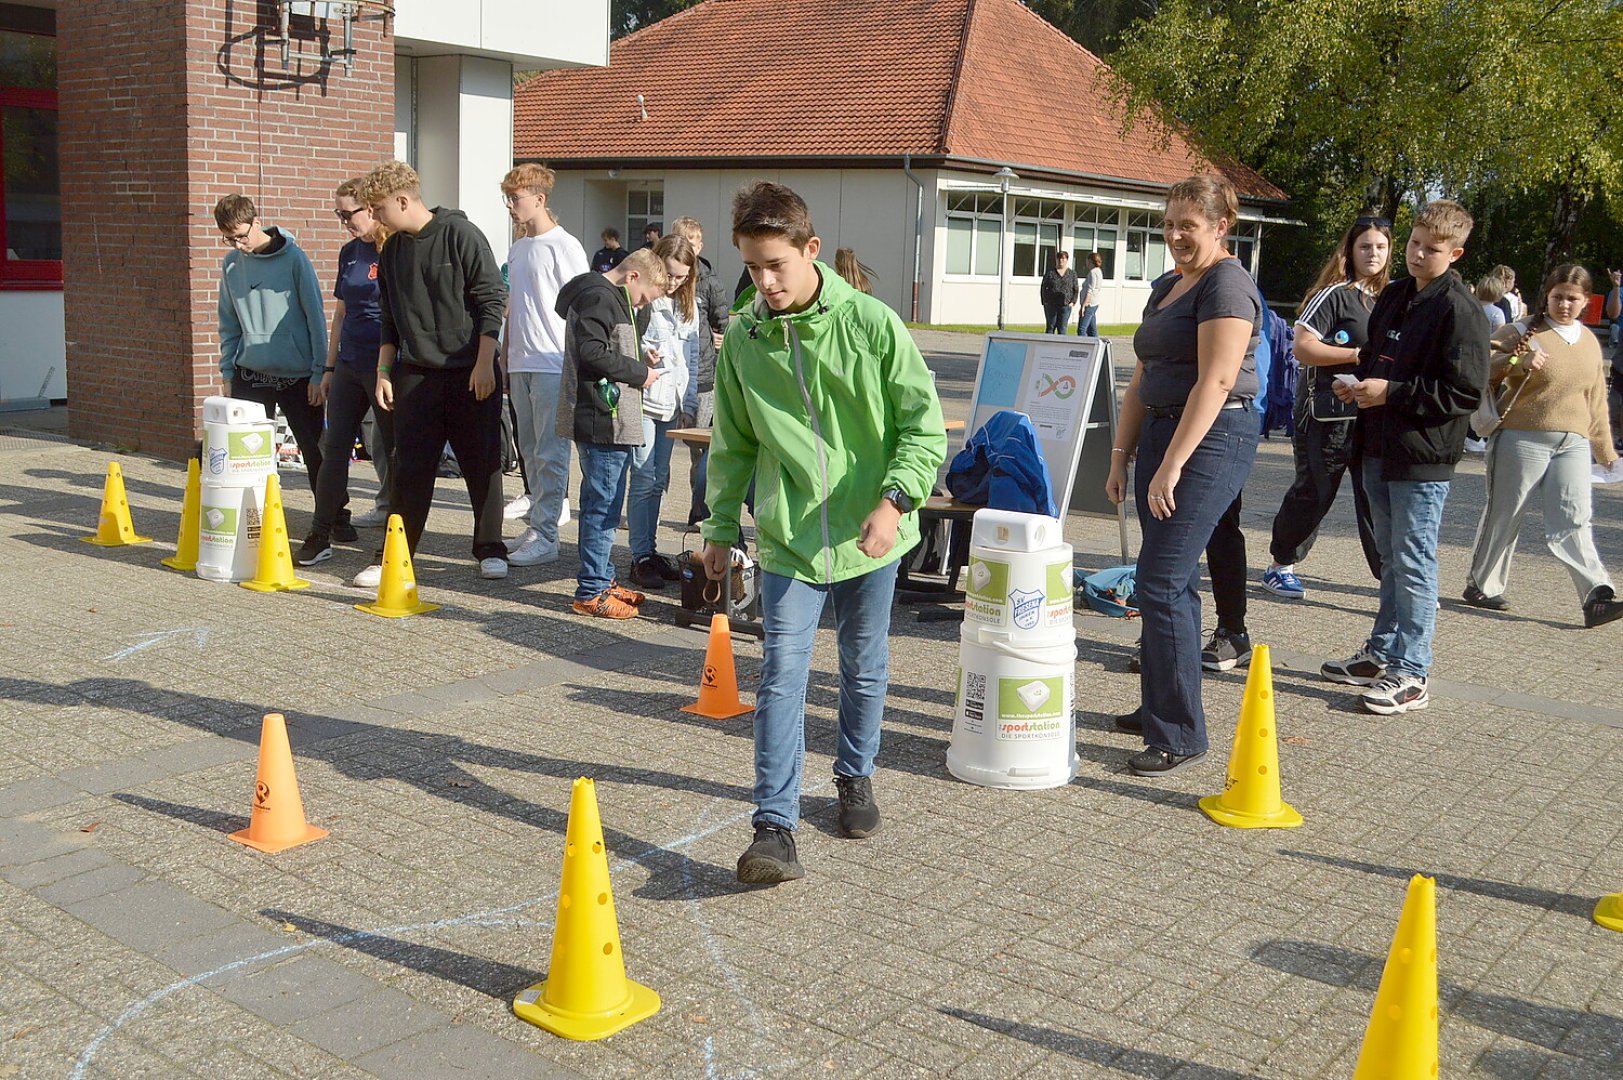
1026, 595
1014, 725
228, 536
229, 410
238, 455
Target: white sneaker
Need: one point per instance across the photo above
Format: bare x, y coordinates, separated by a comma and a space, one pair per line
375, 518
369, 578
517, 508
1474, 445
529, 536
563, 515
534, 553
493, 568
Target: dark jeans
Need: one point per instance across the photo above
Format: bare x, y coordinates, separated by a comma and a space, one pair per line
303, 418
349, 396
1057, 315
1168, 584
1324, 453
433, 406
1225, 565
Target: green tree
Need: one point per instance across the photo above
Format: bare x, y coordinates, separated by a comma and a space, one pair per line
628, 15
1097, 24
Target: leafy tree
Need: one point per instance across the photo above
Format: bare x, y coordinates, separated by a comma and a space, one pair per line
1097, 24
628, 15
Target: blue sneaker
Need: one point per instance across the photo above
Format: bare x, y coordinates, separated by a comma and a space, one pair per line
1282, 581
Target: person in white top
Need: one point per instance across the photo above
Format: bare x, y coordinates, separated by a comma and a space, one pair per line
539, 264
674, 328
1087, 323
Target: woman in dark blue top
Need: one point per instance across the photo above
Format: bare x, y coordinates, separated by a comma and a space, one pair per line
1186, 417
352, 371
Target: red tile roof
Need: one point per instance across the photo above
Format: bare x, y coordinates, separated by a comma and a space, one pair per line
829, 82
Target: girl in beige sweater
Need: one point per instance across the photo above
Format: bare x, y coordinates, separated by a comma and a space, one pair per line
1556, 421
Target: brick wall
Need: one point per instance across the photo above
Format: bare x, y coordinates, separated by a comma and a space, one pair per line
165, 106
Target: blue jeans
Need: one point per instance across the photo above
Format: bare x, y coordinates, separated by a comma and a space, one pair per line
1056, 316
650, 475
1087, 323
1406, 516
545, 452
603, 469
1168, 584
791, 610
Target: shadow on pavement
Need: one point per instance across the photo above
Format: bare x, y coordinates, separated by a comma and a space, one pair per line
1566, 903
1121, 1059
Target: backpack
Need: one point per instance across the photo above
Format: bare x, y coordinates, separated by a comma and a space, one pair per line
1111, 592
1002, 466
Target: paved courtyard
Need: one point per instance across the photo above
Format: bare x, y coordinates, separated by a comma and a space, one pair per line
1101, 929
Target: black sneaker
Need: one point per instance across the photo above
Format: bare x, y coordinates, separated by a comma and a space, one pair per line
1130, 723
1360, 669
646, 573
1153, 762
1136, 663
859, 814
1477, 598
344, 532
668, 568
770, 858
1226, 651
316, 548
1602, 607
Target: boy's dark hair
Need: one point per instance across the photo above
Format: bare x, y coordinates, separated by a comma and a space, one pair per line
609, 234
765, 210
653, 227
234, 210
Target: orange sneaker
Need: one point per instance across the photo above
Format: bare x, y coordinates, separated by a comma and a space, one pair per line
605, 605
625, 595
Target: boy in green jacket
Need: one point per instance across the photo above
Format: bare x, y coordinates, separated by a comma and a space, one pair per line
822, 396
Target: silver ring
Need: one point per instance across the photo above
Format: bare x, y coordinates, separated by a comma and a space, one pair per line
1158, 498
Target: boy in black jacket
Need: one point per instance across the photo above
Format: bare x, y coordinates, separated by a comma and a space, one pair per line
600, 406
1420, 375
442, 300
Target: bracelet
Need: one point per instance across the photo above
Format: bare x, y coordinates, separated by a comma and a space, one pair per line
328, 371
1119, 450
384, 371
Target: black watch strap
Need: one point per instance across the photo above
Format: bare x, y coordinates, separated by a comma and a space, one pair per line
900, 499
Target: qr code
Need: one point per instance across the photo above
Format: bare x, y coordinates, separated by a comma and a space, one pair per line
974, 695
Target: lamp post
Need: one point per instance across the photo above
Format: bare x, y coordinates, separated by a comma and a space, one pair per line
1004, 175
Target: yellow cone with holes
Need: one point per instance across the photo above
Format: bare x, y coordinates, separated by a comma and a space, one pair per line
191, 522
1609, 912
114, 528
397, 588
1401, 1040
586, 994
275, 572
1251, 798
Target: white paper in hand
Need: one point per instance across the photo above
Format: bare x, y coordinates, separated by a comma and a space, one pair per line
1607, 474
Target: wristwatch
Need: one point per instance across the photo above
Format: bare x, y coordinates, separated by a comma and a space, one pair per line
900, 499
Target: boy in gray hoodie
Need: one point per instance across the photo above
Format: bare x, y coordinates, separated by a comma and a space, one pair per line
273, 328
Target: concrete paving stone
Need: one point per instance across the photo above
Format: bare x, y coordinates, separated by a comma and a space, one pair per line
367, 1023
87, 888
229, 946
457, 1051
293, 989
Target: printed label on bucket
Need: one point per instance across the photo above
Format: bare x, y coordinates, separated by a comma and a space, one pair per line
986, 591
1029, 709
972, 701
218, 526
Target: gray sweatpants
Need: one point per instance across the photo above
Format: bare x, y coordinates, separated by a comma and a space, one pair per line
1522, 466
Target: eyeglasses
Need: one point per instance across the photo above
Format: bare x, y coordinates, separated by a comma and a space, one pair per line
236, 239
511, 201
1373, 223
345, 215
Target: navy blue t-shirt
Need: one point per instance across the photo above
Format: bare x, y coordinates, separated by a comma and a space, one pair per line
357, 287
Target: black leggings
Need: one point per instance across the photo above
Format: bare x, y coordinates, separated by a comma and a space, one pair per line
303, 418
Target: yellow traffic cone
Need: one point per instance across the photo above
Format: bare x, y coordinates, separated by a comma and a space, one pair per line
1251, 798
586, 994
397, 588
277, 822
718, 683
115, 529
191, 522
1609, 912
275, 571
1401, 1040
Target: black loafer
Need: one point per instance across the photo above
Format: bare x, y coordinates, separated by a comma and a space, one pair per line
1153, 762
1602, 607
1477, 598
1130, 723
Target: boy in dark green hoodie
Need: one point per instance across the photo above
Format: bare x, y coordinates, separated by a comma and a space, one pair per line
823, 398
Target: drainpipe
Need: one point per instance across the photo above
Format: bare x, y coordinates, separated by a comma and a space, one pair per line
918, 232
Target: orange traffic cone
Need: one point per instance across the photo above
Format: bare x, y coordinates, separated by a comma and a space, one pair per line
1400, 1042
275, 572
718, 686
586, 994
191, 522
277, 822
1251, 798
397, 588
115, 529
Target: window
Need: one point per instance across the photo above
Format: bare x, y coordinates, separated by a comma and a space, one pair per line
1097, 228
645, 206
1037, 229
1146, 246
974, 232
1245, 242
30, 189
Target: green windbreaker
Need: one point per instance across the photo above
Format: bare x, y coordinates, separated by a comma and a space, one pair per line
828, 409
